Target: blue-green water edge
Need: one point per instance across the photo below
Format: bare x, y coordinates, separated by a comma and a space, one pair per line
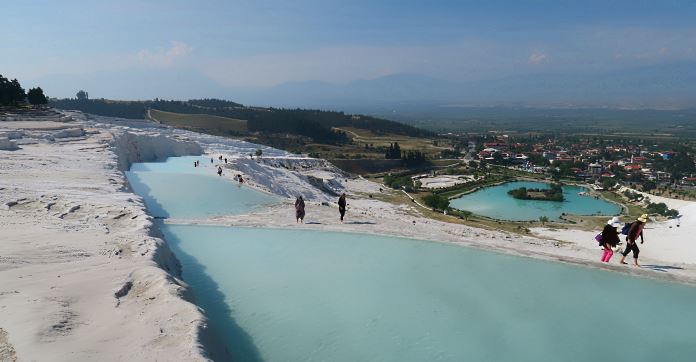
494, 202
177, 189
294, 295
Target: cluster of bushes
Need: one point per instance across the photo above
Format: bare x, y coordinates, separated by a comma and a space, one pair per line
661, 209
441, 203
401, 182
436, 201
519, 193
12, 93
455, 153
554, 193
632, 196
462, 214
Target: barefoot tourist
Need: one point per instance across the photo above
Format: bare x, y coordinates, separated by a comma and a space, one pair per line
635, 230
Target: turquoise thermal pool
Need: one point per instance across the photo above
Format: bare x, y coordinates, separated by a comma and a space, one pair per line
304, 295
494, 202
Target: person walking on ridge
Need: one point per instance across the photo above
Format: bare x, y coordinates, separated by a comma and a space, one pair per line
634, 232
610, 238
342, 205
299, 209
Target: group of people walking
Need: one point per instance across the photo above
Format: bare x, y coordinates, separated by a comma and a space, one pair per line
610, 240
300, 208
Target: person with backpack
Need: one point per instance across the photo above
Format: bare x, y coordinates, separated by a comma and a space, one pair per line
609, 238
342, 205
632, 235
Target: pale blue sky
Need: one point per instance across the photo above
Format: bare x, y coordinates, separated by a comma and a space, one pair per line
212, 46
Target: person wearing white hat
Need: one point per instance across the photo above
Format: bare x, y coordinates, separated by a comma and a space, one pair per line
634, 231
610, 238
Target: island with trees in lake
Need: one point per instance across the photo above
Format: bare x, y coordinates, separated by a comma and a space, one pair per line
554, 193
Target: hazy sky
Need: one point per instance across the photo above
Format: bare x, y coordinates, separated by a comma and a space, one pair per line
144, 49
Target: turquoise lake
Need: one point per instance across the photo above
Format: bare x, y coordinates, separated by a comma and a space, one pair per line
299, 295
494, 202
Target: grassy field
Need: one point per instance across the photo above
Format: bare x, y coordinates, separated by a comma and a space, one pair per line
362, 137
206, 123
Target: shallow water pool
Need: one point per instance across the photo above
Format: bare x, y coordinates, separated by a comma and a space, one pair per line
175, 188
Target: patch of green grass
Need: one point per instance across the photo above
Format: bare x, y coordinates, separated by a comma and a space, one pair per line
201, 122
634, 210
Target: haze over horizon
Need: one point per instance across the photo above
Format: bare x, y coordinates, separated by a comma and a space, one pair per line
342, 54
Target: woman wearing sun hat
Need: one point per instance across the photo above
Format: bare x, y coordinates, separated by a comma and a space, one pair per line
610, 238
633, 233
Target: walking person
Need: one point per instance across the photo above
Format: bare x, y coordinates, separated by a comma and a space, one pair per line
342, 205
634, 231
219, 171
610, 238
299, 210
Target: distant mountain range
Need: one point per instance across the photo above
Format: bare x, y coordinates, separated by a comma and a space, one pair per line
663, 86
666, 86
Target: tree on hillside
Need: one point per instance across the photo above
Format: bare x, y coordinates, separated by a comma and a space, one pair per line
36, 96
11, 92
413, 158
82, 95
608, 183
393, 152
